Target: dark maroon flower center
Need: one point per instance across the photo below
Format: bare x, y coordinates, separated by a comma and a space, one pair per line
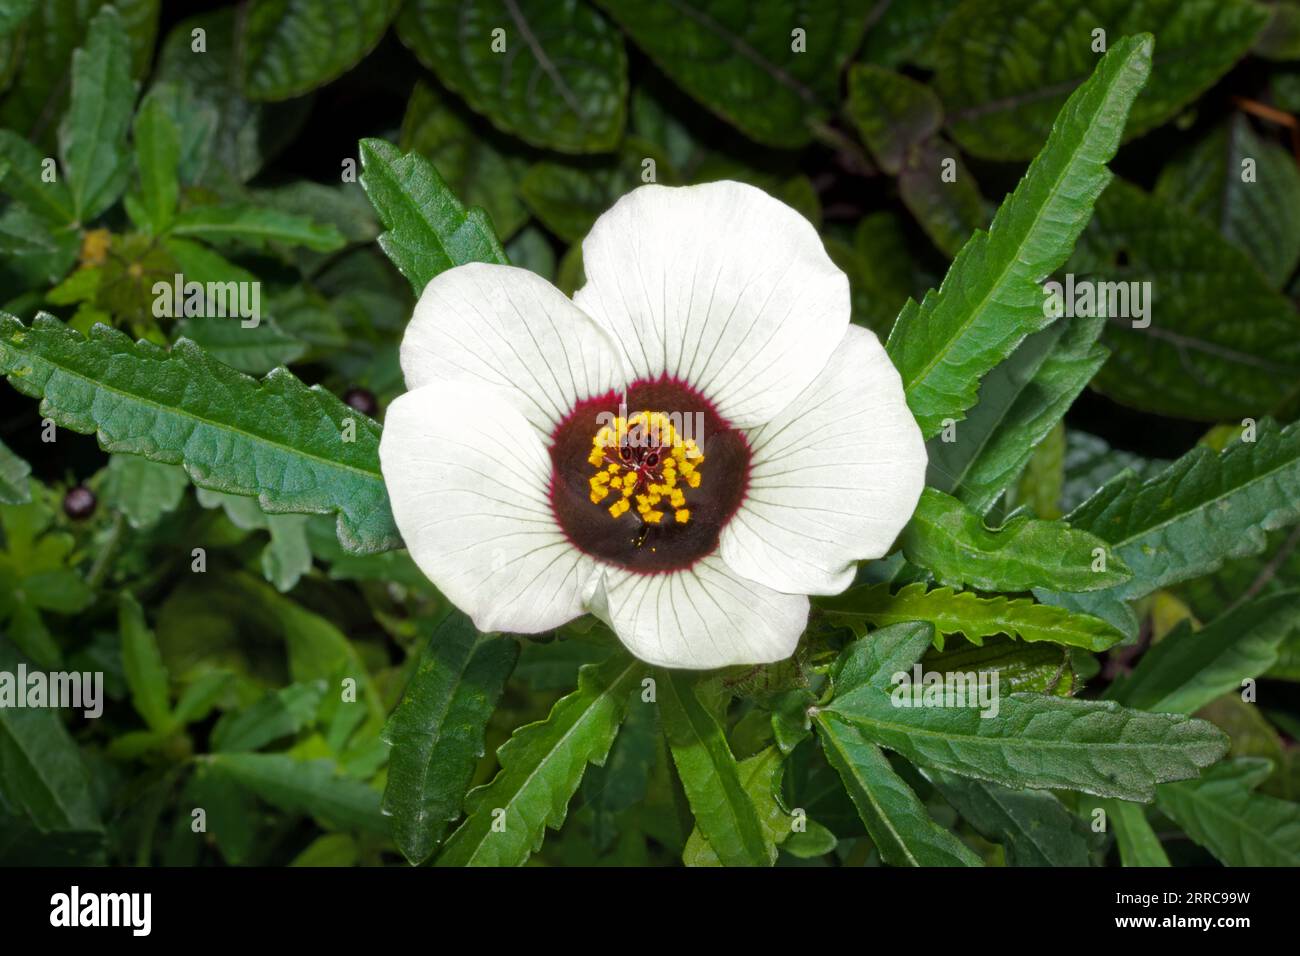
647, 481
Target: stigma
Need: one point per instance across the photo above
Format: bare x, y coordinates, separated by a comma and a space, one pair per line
645, 464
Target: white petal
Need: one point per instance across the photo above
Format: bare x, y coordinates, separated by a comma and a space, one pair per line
509, 329
468, 477
834, 477
699, 618
719, 285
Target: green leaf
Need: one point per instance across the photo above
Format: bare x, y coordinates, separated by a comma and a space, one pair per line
541, 767
15, 489
256, 226
553, 74
897, 821
1032, 826
724, 813
894, 113
278, 714
991, 297
1188, 519
1020, 740
475, 168
1041, 668
760, 775
1185, 670
293, 46
437, 731
276, 439
92, 137
967, 613
1020, 402
1222, 813
948, 538
314, 787
882, 274
157, 158
1187, 358
1260, 215
21, 178
42, 774
743, 61
429, 231
254, 350
142, 663
904, 32
1090, 463
1003, 67
1138, 843
141, 489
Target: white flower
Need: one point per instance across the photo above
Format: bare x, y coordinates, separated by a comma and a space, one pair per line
763, 445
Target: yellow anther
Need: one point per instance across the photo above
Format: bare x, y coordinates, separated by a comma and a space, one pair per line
618, 507
682, 515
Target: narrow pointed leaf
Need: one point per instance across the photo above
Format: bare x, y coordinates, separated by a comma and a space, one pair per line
724, 812
991, 297
437, 731
142, 663
541, 768
899, 824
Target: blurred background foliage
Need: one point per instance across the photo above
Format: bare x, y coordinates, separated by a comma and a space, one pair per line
228, 690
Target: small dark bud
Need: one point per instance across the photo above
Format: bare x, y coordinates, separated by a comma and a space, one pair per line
363, 400
79, 503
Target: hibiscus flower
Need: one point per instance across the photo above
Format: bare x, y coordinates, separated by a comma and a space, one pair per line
688, 448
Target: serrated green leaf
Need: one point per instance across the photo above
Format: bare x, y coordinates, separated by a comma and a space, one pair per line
293, 46
968, 613
314, 787
1222, 812
899, 824
1185, 670
1020, 402
15, 489
1187, 520
1003, 67
991, 297
1034, 828
437, 731
553, 74
476, 169
1024, 740
157, 159
724, 812
1090, 463
541, 767
743, 61
429, 231
256, 226
948, 538
146, 677
92, 137
1186, 357
275, 439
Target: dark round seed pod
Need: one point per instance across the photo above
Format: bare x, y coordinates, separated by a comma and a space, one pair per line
79, 503
363, 400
